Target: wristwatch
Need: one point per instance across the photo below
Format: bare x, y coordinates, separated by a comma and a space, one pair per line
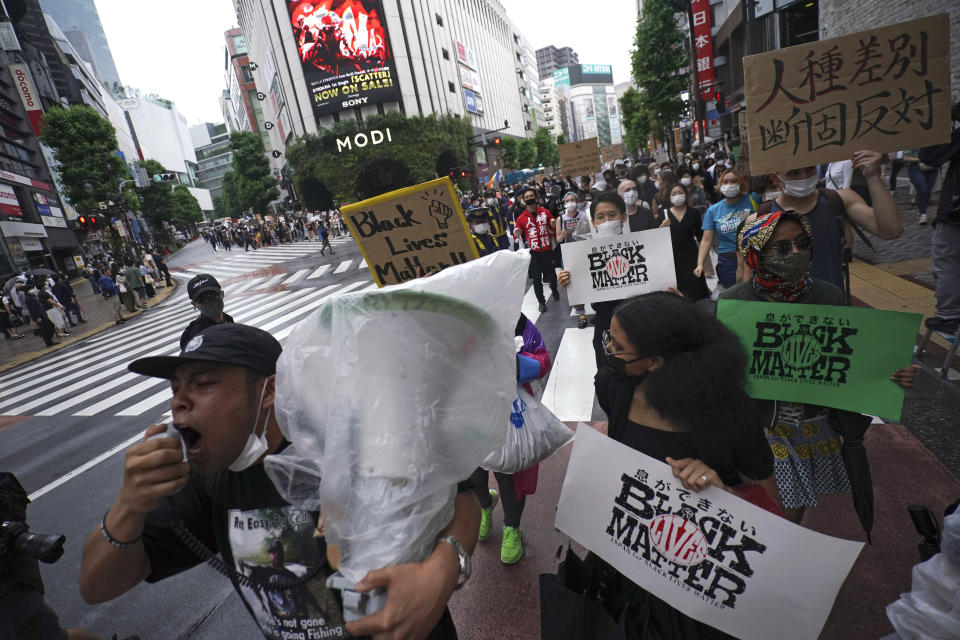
462, 556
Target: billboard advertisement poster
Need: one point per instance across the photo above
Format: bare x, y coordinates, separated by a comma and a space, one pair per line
474, 104
345, 52
9, 205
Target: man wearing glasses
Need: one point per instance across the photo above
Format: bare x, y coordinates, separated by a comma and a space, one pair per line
207, 297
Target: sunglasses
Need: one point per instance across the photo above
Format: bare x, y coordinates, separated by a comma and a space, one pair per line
606, 339
785, 247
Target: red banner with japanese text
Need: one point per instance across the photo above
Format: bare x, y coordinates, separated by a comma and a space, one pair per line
703, 46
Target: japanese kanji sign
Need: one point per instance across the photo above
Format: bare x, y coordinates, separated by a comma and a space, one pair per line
839, 357
882, 89
619, 267
411, 232
579, 158
703, 45
611, 153
709, 554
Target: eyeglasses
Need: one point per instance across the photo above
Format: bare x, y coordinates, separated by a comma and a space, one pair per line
784, 247
606, 339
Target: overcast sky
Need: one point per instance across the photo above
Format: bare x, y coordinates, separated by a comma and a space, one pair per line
175, 48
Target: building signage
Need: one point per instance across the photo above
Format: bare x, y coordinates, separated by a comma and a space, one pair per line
9, 205
561, 76
703, 45
27, 91
8, 37
474, 103
883, 89
596, 69
470, 79
13, 177
362, 139
466, 56
345, 52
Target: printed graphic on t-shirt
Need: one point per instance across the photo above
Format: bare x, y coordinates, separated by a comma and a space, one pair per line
729, 222
538, 232
274, 547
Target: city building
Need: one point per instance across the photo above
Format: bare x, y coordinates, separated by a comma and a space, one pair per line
551, 108
529, 75
211, 143
81, 24
586, 103
34, 231
549, 59
457, 57
240, 102
73, 75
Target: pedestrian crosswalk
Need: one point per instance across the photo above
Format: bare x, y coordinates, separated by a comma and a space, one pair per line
92, 379
229, 264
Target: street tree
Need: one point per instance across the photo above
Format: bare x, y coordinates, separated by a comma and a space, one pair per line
635, 119
84, 145
547, 154
186, 209
157, 204
526, 154
418, 149
508, 152
561, 139
255, 187
656, 60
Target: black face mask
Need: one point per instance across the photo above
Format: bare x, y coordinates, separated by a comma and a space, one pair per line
529, 203
617, 367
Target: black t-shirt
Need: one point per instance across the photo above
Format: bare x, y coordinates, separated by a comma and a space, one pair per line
197, 326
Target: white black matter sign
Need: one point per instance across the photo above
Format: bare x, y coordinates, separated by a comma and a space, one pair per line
709, 554
618, 267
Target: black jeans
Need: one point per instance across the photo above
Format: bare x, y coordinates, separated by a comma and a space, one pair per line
512, 508
541, 267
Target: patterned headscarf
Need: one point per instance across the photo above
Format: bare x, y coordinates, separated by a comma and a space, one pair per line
752, 240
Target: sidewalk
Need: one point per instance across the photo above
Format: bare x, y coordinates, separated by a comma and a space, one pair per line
98, 312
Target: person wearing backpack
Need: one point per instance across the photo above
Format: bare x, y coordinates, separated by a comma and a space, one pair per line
829, 211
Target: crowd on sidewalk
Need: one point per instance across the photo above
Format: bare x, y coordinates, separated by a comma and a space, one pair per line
293, 227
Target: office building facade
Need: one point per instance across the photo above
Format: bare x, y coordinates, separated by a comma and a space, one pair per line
586, 103
80, 22
211, 143
551, 58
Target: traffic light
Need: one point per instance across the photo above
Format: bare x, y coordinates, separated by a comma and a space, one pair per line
496, 142
92, 223
83, 224
164, 177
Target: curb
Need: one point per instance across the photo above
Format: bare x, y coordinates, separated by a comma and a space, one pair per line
25, 358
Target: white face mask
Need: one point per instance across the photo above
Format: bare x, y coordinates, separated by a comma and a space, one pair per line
570, 206
657, 184
656, 172
642, 179
630, 197
800, 188
686, 181
610, 228
482, 228
730, 190
696, 166
601, 185
256, 445
772, 195
678, 200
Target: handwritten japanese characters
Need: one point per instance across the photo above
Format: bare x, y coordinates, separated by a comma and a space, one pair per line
580, 158
882, 89
411, 232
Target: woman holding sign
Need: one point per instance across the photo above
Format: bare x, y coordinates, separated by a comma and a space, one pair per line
672, 385
805, 439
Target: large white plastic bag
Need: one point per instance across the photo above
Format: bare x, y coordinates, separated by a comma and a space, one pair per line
931, 610
534, 435
392, 396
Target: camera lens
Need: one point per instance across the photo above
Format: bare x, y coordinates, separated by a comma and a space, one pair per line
45, 548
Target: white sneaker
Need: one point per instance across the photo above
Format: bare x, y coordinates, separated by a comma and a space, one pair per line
922, 218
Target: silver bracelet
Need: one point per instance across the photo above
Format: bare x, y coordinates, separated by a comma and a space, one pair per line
109, 538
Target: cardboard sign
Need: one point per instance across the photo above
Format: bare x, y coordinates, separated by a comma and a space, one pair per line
611, 153
579, 158
839, 357
709, 554
411, 232
882, 89
619, 267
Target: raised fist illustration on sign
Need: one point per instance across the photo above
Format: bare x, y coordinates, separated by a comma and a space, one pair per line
440, 212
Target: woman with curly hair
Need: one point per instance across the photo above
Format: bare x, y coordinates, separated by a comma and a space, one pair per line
672, 386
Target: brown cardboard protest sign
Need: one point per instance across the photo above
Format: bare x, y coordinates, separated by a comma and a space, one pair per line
611, 153
411, 232
579, 158
882, 89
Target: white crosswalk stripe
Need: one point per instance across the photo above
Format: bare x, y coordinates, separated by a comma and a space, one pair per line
343, 266
319, 272
92, 379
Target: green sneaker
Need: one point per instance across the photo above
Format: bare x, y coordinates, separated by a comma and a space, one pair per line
511, 550
486, 516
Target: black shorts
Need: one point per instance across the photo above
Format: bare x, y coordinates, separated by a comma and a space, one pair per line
26, 616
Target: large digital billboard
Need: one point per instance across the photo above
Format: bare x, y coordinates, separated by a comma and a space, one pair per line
345, 53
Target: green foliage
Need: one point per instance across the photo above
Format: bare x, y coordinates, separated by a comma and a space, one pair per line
186, 209
635, 119
547, 154
254, 186
85, 146
157, 203
561, 139
421, 149
657, 56
508, 152
527, 154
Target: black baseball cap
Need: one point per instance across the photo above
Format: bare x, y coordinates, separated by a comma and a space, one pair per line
201, 284
226, 343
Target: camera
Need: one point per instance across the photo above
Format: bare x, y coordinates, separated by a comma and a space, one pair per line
16, 540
